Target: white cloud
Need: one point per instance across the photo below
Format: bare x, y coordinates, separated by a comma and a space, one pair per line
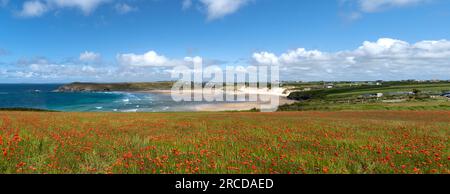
149, 66
377, 5
33, 9
383, 47
302, 54
87, 6
89, 57
266, 58
124, 8
194, 60
43, 69
150, 58
153, 59
384, 59
219, 8
215, 9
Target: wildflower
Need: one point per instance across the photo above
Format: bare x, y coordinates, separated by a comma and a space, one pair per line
176, 152
388, 158
20, 164
128, 155
17, 138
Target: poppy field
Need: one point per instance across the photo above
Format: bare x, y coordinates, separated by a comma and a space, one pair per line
359, 142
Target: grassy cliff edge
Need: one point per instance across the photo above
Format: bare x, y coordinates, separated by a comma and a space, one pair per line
101, 87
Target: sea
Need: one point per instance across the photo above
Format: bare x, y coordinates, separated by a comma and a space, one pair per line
44, 96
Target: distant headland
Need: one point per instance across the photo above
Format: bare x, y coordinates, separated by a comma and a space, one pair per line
110, 87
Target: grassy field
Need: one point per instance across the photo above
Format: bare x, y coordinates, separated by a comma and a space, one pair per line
394, 96
284, 142
333, 106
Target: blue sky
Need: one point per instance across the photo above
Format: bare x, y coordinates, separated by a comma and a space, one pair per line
88, 40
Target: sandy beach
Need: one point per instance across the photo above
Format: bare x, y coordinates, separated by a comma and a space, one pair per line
233, 106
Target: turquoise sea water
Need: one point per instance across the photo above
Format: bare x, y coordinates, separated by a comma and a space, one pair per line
42, 96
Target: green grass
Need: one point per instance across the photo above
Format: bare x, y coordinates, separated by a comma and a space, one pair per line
332, 106
353, 97
437, 89
77, 86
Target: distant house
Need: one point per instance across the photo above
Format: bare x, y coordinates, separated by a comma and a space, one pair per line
329, 86
379, 82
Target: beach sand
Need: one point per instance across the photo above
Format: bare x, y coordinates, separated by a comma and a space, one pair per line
230, 106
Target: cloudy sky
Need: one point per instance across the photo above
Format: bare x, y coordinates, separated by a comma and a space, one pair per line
43, 41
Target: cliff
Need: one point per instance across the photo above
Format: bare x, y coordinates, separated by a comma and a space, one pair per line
105, 87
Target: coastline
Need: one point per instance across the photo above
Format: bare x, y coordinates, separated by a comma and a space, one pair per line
229, 106
199, 106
